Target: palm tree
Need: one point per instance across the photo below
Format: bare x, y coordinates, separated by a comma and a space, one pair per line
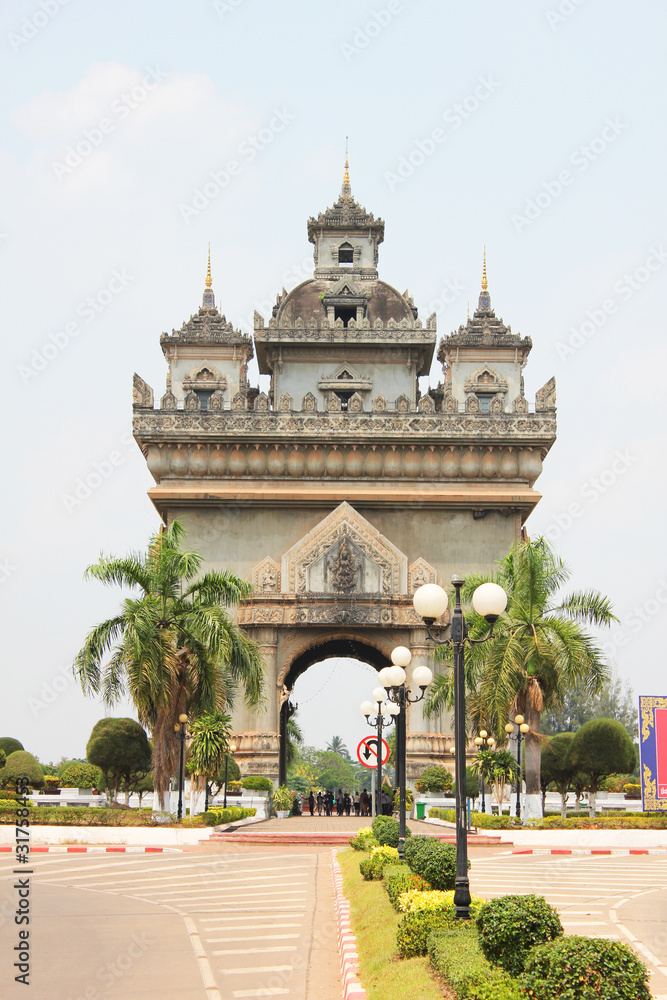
294, 739
209, 746
540, 649
174, 646
336, 745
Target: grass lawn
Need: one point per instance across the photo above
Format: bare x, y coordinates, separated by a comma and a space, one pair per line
383, 974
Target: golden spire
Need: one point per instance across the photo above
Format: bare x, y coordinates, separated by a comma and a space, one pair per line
208, 269
485, 283
346, 176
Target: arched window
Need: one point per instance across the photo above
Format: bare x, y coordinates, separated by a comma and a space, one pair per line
345, 253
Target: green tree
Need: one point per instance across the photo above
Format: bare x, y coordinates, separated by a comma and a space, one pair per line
336, 745
294, 739
615, 700
174, 648
209, 746
601, 747
334, 771
555, 768
539, 650
141, 785
121, 750
21, 764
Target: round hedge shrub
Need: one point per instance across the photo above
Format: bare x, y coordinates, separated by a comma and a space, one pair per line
414, 930
434, 779
386, 829
10, 745
80, 776
257, 783
22, 764
510, 926
586, 968
434, 861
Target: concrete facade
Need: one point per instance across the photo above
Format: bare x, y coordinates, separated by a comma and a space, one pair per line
342, 490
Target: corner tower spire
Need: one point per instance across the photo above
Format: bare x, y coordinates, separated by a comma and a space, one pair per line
208, 301
484, 304
346, 190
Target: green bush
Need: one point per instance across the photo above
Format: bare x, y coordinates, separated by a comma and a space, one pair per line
364, 840
10, 745
510, 926
21, 764
434, 861
456, 955
409, 799
586, 968
434, 779
229, 814
257, 783
80, 776
414, 929
386, 830
632, 791
11, 796
381, 856
400, 878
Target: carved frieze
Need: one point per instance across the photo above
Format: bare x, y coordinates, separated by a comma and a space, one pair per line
419, 573
291, 610
266, 576
142, 394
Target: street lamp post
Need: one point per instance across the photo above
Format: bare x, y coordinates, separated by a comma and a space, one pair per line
382, 722
519, 737
180, 728
393, 680
231, 749
430, 602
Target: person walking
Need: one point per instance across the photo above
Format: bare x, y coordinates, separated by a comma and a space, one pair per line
311, 803
320, 803
357, 804
347, 803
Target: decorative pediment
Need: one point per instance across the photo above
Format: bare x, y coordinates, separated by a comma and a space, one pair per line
345, 378
344, 554
204, 376
486, 380
266, 577
419, 573
545, 398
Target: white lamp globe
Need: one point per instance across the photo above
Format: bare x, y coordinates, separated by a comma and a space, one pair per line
524, 727
379, 694
397, 676
430, 601
384, 677
518, 719
393, 708
489, 600
422, 676
367, 708
401, 656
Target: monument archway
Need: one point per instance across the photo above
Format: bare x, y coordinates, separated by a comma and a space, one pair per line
344, 487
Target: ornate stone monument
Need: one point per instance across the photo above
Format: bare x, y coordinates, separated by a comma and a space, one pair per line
343, 490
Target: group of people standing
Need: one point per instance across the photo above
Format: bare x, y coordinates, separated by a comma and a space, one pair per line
357, 804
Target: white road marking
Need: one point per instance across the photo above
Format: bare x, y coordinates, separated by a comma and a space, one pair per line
255, 951
257, 968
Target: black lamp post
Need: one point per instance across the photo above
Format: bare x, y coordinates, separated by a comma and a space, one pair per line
430, 601
180, 728
382, 722
393, 680
230, 749
479, 742
518, 738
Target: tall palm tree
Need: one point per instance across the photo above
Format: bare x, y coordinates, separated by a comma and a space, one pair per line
174, 646
336, 745
540, 649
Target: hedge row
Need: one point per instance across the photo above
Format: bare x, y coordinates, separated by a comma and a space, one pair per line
96, 816
615, 821
457, 956
229, 814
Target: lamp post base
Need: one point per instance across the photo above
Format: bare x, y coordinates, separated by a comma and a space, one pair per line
462, 898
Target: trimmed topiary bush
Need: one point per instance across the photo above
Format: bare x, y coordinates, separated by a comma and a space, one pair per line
257, 783
434, 779
434, 861
586, 968
364, 840
457, 956
373, 867
386, 829
10, 745
228, 814
22, 764
399, 879
414, 929
80, 776
510, 926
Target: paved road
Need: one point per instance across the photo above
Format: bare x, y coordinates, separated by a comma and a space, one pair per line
234, 925
621, 897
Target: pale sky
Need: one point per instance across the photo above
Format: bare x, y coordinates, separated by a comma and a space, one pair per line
536, 133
